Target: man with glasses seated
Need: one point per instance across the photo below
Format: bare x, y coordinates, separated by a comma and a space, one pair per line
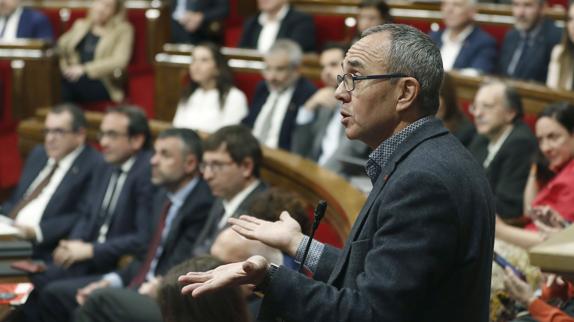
45, 204
505, 146
115, 217
231, 166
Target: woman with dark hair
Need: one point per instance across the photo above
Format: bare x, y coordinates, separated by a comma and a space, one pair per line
226, 305
550, 203
210, 101
561, 67
95, 53
450, 114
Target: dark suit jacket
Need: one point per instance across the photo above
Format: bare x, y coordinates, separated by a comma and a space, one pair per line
210, 229
308, 141
183, 232
535, 65
34, 24
478, 50
419, 250
508, 171
303, 90
129, 231
62, 210
296, 26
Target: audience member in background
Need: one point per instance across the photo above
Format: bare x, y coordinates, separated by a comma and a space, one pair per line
526, 50
372, 13
180, 211
549, 202
210, 101
231, 166
227, 305
505, 146
46, 201
114, 220
194, 21
464, 45
277, 20
19, 22
561, 67
319, 134
451, 115
94, 54
277, 99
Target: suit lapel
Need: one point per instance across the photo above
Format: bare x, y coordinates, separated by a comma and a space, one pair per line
429, 130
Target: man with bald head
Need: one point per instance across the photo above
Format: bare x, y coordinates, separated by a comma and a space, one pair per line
505, 146
424, 236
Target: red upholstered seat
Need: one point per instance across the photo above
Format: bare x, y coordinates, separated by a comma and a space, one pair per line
330, 29
7, 123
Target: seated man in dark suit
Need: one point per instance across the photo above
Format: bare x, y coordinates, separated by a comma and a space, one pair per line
180, 212
19, 22
231, 166
526, 50
319, 134
505, 146
277, 99
45, 203
277, 20
463, 45
194, 21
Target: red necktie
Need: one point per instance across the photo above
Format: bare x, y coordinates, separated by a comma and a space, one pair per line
151, 252
34, 194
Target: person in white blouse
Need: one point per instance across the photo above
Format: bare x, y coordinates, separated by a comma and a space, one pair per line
210, 101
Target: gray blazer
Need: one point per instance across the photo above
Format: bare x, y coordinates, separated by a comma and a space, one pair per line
420, 249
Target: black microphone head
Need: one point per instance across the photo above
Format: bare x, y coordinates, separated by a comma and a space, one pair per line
320, 209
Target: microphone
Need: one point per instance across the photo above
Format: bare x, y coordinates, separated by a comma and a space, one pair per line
318, 215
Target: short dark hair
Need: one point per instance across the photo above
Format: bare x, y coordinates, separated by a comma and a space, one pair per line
413, 53
78, 117
137, 125
512, 98
191, 141
224, 305
239, 142
381, 6
269, 204
562, 112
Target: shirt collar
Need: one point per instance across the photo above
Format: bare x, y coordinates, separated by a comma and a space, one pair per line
264, 17
380, 156
446, 36
234, 202
67, 161
531, 34
177, 198
127, 165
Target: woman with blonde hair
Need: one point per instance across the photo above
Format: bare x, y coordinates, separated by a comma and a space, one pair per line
561, 67
95, 53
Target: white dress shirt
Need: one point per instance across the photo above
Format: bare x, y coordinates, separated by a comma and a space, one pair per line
451, 46
202, 110
281, 101
270, 28
32, 213
494, 147
11, 31
231, 206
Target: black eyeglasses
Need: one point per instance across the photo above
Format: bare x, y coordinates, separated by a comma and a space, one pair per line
349, 80
57, 132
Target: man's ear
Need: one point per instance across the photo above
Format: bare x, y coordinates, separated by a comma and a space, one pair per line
408, 88
247, 167
191, 165
137, 141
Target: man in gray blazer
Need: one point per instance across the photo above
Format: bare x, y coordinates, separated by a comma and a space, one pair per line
421, 247
319, 135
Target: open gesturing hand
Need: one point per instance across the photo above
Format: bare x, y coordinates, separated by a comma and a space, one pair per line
252, 271
284, 234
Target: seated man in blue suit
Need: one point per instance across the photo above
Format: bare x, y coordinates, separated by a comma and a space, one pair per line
463, 45
180, 212
277, 20
277, 99
18, 22
526, 50
45, 203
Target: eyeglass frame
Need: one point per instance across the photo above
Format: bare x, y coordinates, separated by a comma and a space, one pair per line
112, 135
215, 166
57, 132
341, 78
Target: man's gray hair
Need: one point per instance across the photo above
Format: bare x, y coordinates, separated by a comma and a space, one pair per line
289, 47
415, 54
